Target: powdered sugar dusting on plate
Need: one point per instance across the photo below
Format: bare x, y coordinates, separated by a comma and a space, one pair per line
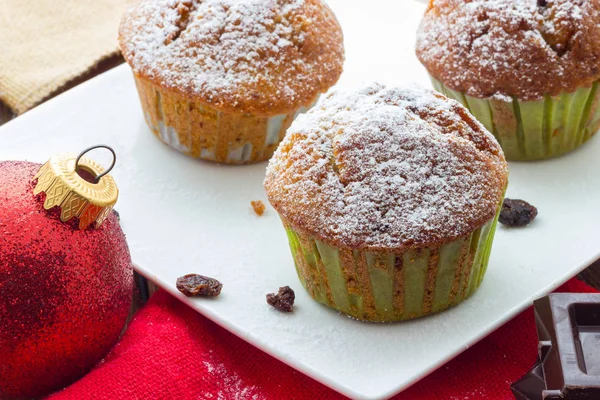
522, 48
384, 167
234, 50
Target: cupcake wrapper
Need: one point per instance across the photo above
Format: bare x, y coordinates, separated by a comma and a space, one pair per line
534, 130
384, 286
203, 132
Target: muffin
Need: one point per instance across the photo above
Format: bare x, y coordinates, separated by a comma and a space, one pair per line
390, 198
222, 80
527, 69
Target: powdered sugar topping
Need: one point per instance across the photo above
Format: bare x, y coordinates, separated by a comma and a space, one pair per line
384, 167
227, 51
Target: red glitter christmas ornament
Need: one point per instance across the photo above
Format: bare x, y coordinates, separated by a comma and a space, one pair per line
66, 278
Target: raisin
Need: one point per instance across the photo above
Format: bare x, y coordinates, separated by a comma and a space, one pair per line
198, 285
382, 227
283, 300
516, 213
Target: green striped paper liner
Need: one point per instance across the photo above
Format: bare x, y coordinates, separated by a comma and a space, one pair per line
387, 286
535, 130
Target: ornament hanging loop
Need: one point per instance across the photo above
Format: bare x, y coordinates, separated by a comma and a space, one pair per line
99, 146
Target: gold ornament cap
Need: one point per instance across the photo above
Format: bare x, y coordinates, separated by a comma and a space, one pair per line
78, 185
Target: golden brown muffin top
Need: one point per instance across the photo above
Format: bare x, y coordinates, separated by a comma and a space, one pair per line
262, 57
521, 48
387, 168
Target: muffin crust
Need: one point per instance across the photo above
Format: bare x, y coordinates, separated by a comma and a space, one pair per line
517, 48
383, 168
260, 57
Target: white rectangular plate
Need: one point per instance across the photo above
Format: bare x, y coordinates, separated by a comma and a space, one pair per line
183, 215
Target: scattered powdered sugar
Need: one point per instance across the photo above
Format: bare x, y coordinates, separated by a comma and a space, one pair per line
234, 49
227, 385
384, 167
523, 48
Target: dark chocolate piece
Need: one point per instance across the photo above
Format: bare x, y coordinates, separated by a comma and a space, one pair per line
531, 385
517, 213
283, 300
198, 285
568, 327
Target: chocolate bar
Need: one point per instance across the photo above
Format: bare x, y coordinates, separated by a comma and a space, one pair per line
531, 385
568, 327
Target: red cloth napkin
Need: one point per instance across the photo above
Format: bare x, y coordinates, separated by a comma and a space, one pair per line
171, 352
